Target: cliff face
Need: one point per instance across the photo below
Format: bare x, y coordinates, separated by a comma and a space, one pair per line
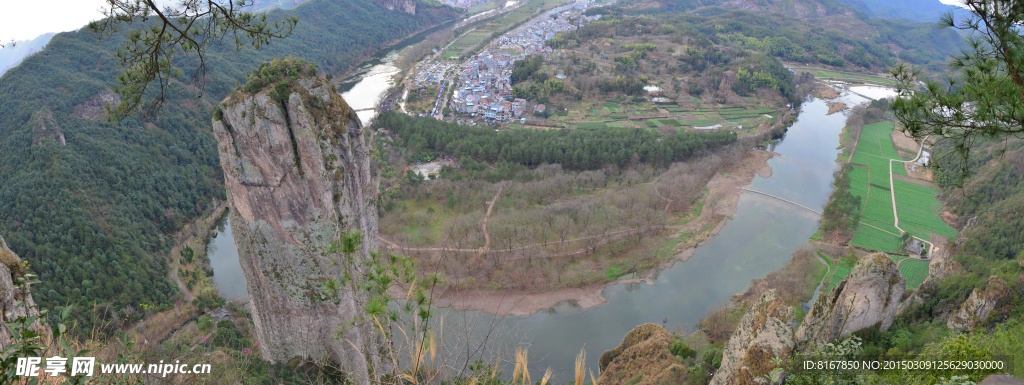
869, 296
978, 305
643, 354
407, 6
297, 173
45, 127
11, 269
765, 332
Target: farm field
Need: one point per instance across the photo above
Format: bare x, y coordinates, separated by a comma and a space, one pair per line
871, 238
842, 269
917, 207
918, 210
482, 7
832, 74
620, 111
914, 271
467, 42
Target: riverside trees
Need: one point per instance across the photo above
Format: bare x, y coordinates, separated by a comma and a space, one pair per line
573, 149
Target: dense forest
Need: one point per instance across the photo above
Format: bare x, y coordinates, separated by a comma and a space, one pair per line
573, 149
89, 215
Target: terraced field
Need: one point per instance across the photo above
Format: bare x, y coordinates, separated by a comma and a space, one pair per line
591, 125
914, 271
842, 269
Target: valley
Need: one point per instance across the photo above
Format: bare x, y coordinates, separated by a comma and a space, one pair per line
703, 191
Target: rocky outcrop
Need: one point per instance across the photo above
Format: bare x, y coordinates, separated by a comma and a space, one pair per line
407, 6
14, 302
96, 107
45, 127
868, 297
765, 332
298, 179
643, 358
978, 305
939, 267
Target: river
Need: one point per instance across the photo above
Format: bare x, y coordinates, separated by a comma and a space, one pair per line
760, 238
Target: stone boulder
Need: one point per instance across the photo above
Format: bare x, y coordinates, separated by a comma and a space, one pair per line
298, 179
765, 332
643, 354
978, 305
14, 303
868, 297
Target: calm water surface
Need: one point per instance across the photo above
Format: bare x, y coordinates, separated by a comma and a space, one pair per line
760, 238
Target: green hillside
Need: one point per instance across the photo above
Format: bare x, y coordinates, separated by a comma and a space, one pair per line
88, 216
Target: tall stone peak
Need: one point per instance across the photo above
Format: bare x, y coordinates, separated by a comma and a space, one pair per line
298, 178
764, 333
868, 297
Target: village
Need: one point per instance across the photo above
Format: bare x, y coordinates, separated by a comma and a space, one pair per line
482, 83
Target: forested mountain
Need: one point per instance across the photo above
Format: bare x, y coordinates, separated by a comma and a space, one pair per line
12, 54
914, 10
808, 32
88, 203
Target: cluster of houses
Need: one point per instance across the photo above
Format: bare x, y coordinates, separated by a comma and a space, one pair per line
431, 73
485, 85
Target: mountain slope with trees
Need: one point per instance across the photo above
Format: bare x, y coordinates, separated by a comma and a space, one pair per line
90, 216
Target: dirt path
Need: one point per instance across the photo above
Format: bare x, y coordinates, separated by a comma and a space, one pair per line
177, 280
892, 191
487, 236
187, 237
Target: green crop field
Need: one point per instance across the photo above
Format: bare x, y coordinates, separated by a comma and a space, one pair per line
877, 212
591, 125
618, 115
918, 210
842, 269
914, 271
916, 205
466, 42
652, 123
482, 7
669, 122
703, 122
840, 75
874, 239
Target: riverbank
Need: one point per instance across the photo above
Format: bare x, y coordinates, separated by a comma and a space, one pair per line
719, 204
155, 327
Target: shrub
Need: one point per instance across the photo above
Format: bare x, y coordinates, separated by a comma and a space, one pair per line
679, 349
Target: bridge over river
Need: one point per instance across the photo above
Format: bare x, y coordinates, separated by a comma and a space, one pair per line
782, 199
